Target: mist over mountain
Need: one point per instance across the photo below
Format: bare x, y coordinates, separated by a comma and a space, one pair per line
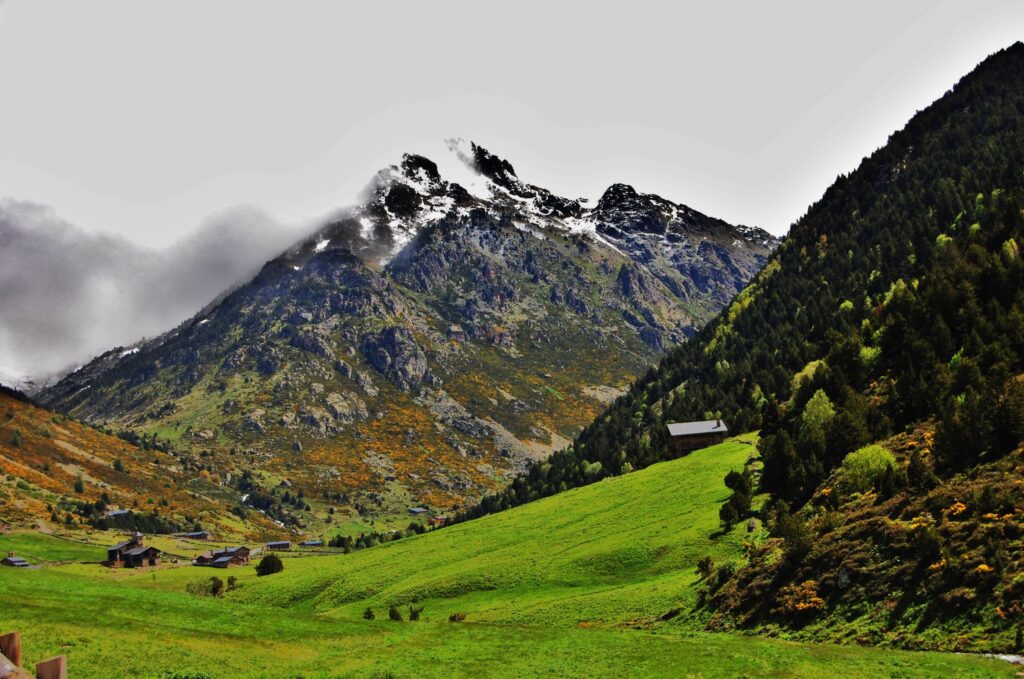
67, 294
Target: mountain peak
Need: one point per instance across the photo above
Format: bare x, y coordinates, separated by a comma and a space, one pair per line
414, 166
499, 170
616, 195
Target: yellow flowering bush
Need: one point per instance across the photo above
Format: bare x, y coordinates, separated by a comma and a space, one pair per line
957, 509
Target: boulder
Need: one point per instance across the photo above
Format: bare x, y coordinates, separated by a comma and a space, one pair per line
316, 418
254, 421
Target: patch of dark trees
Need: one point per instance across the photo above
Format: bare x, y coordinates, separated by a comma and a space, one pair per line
905, 279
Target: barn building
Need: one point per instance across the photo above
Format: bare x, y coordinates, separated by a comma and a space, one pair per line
686, 437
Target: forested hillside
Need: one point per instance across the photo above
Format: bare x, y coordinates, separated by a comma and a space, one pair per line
895, 299
880, 353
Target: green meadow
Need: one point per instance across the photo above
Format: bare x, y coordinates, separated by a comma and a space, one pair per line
572, 585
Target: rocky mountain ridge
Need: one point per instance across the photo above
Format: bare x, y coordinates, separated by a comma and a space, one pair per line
429, 342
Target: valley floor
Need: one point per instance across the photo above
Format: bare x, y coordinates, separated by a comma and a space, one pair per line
573, 585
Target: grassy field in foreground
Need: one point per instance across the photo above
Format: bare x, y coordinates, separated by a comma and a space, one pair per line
111, 630
551, 588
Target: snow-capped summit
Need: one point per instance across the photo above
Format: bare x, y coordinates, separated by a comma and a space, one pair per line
403, 198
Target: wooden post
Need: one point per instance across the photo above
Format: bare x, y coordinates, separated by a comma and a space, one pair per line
53, 668
10, 647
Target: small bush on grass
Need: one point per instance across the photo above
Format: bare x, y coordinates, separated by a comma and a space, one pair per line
212, 587
269, 565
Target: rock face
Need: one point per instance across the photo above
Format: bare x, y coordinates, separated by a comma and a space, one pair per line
395, 354
345, 342
315, 344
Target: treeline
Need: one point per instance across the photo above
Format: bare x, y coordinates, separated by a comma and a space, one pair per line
894, 299
18, 395
96, 514
364, 540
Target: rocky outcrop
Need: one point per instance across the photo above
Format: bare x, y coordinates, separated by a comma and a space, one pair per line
346, 408
395, 354
575, 301
636, 285
268, 358
316, 418
313, 343
254, 421
366, 384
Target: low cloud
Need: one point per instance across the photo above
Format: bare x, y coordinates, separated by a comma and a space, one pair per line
67, 295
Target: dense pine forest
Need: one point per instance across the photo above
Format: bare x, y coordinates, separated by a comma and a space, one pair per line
895, 299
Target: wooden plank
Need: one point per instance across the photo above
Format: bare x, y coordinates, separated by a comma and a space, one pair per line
10, 647
53, 668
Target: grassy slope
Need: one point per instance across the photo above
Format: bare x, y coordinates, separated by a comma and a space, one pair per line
567, 576
622, 550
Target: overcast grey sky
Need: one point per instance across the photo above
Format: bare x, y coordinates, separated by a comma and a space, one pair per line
143, 118
154, 153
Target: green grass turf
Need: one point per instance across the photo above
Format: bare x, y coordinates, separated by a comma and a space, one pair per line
611, 552
38, 548
552, 588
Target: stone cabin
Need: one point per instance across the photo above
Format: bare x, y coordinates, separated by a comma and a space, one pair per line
132, 553
686, 437
455, 332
